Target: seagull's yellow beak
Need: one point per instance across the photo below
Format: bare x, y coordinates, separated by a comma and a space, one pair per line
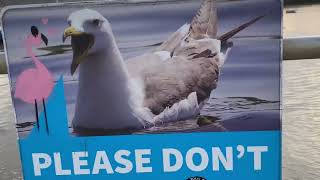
81, 42
70, 31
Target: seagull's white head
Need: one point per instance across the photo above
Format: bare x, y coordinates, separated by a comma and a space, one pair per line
85, 28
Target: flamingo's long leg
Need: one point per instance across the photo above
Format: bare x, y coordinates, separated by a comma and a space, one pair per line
37, 116
45, 115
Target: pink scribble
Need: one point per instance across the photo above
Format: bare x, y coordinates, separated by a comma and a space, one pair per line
34, 84
45, 21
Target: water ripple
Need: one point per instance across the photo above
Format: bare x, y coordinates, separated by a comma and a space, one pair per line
301, 120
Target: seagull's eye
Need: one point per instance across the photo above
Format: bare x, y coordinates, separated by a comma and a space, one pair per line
96, 22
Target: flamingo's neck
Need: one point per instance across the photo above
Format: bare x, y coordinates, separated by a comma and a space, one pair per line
28, 45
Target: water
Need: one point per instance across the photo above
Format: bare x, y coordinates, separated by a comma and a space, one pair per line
301, 103
9, 157
301, 120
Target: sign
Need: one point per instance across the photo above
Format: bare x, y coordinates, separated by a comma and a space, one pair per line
142, 90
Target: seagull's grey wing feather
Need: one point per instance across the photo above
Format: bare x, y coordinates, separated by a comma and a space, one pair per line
175, 79
194, 48
204, 24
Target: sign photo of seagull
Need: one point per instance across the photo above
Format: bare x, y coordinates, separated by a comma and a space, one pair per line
169, 84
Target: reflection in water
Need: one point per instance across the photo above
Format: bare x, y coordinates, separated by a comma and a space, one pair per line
226, 108
63, 49
25, 125
55, 50
236, 109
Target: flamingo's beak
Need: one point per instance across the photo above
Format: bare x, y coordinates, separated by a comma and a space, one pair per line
81, 42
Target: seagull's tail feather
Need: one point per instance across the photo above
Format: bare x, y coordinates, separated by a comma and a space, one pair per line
225, 37
205, 23
187, 108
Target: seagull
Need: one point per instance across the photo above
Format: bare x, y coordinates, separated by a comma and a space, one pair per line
170, 83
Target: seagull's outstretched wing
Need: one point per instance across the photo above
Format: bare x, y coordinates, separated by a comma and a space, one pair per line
205, 23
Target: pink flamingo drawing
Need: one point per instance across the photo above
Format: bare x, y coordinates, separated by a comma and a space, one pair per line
35, 85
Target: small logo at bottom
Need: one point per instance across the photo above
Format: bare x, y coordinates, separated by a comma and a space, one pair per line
196, 178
